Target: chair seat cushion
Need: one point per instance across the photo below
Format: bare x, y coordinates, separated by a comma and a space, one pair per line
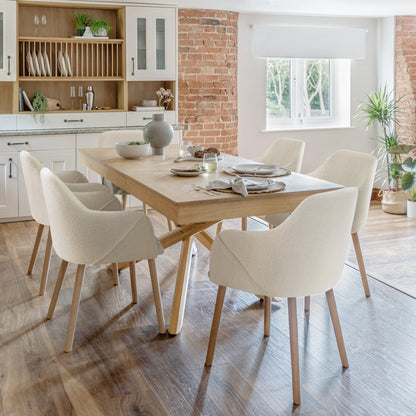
71, 176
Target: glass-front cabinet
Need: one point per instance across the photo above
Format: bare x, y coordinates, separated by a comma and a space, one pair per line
7, 40
151, 43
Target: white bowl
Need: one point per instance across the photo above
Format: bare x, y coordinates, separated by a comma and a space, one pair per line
132, 151
149, 103
193, 149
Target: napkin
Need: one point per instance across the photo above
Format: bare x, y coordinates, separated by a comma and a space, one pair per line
238, 184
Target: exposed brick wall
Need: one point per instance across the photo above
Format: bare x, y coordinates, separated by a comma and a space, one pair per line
405, 78
207, 66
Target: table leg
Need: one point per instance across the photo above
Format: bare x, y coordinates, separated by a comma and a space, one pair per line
181, 288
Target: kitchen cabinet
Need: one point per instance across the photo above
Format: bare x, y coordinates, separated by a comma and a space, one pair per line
8, 185
7, 40
150, 43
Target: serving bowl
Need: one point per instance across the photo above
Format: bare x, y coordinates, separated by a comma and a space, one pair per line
149, 103
132, 151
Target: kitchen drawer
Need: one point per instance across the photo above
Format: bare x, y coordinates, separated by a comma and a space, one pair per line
49, 142
140, 118
71, 120
8, 122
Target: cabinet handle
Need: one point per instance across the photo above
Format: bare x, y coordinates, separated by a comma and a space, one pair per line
10, 168
132, 60
9, 70
81, 120
16, 143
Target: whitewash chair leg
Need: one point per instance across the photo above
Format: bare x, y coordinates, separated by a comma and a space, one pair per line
114, 272
215, 325
46, 263
307, 303
132, 266
360, 260
35, 248
156, 295
56, 291
294, 352
337, 327
267, 313
74, 308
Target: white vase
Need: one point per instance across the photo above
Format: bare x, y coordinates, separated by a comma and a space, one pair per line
411, 208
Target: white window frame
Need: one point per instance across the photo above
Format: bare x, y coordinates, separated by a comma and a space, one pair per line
339, 100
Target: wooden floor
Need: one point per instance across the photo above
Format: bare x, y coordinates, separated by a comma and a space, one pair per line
121, 366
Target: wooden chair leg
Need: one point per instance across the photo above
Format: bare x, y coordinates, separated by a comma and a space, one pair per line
46, 263
244, 223
156, 295
307, 303
170, 226
267, 312
294, 352
74, 308
337, 327
57, 290
124, 201
219, 228
132, 266
144, 209
114, 271
215, 325
361, 266
35, 248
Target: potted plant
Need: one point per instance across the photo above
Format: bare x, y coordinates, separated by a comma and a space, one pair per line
100, 27
40, 105
408, 179
82, 21
381, 110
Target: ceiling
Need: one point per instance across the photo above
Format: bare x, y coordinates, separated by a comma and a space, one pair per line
373, 8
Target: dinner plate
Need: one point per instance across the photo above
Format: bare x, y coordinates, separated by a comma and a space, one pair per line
27, 101
47, 66
29, 62
36, 63
41, 64
61, 64
185, 173
256, 168
258, 184
68, 64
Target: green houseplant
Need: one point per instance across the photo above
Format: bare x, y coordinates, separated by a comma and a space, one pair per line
380, 110
40, 105
100, 27
82, 20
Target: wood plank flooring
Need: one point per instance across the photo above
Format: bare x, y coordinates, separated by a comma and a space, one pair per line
121, 366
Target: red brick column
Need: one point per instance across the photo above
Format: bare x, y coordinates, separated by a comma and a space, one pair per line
405, 78
207, 75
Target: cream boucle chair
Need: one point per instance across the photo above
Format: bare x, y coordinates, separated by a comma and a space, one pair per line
86, 237
286, 152
93, 195
348, 168
303, 256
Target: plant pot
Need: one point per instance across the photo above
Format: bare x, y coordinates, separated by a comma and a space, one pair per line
80, 32
394, 202
411, 208
102, 32
87, 33
159, 133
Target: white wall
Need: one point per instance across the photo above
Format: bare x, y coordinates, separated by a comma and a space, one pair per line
252, 87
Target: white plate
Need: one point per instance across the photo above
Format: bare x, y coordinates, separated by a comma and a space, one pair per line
47, 66
61, 64
256, 168
258, 184
29, 62
27, 101
36, 63
184, 173
68, 64
41, 64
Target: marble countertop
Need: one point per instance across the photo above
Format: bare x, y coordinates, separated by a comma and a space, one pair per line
6, 133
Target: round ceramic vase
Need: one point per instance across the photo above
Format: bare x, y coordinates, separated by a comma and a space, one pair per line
159, 133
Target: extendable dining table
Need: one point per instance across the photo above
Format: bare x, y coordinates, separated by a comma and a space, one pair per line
181, 200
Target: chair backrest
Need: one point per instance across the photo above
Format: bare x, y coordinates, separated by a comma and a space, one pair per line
288, 153
31, 171
303, 256
350, 168
111, 137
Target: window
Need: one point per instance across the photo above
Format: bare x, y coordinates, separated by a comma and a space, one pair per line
307, 92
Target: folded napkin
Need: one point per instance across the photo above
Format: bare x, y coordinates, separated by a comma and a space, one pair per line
238, 184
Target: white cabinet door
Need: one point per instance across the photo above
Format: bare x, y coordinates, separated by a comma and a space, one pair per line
52, 159
7, 40
8, 185
150, 43
89, 140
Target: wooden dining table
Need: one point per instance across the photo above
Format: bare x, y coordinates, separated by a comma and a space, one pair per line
193, 210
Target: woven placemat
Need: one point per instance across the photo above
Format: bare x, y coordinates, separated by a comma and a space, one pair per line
277, 187
278, 173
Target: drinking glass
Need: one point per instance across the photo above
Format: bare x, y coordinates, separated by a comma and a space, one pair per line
210, 162
36, 22
73, 96
43, 21
183, 147
80, 96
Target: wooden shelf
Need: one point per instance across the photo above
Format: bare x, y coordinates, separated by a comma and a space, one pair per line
113, 110
70, 40
67, 78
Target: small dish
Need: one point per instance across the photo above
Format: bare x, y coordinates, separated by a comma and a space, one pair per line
256, 168
41, 64
68, 64
132, 151
36, 63
258, 184
27, 101
61, 64
149, 103
185, 173
47, 66
29, 62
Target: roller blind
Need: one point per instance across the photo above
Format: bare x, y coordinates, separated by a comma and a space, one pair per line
308, 42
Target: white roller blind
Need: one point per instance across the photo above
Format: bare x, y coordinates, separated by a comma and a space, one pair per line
308, 42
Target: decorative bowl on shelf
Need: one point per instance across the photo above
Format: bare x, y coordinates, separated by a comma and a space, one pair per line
149, 103
132, 150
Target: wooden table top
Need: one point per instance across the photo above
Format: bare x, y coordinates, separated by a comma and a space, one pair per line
150, 181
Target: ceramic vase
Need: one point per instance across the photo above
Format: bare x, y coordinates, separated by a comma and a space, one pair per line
159, 133
88, 33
